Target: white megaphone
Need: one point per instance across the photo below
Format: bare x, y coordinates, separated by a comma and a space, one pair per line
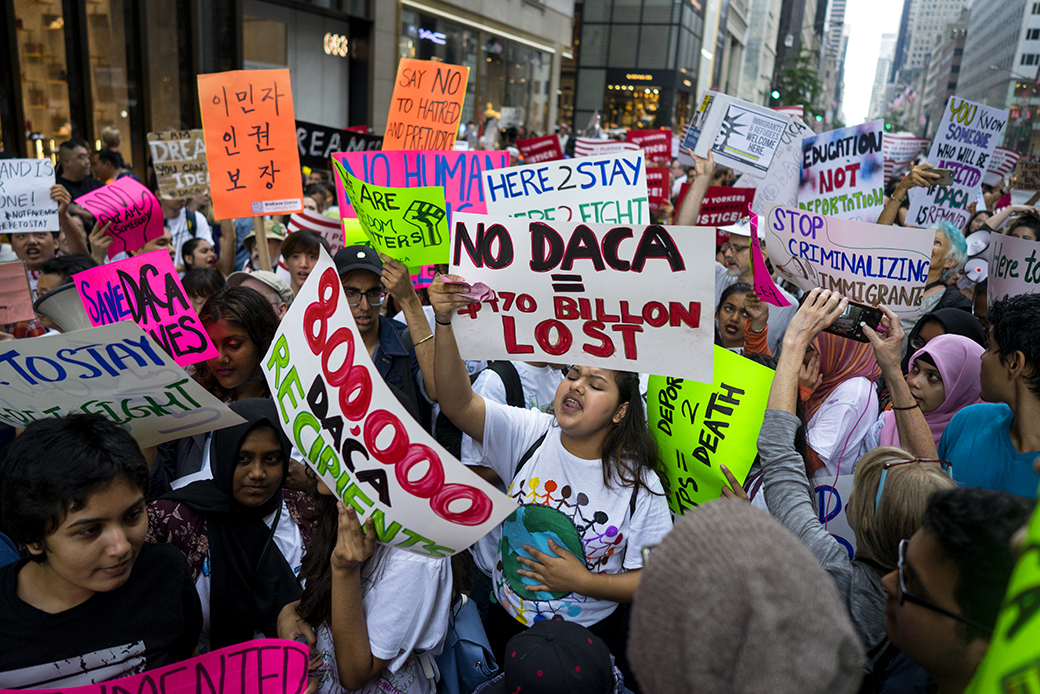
64, 307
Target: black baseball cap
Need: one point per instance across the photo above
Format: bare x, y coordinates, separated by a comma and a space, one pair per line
357, 258
556, 657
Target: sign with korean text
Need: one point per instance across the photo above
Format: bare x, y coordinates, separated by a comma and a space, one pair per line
535, 150
317, 143
1015, 267
251, 147
426, 106
16, 299
657, 189
607, 189
115, 370
360, 440
588, 294
25, 198
843, 173
699, 426
740, 134
179, 158
867, 263
133, 213
656, 144
967, 137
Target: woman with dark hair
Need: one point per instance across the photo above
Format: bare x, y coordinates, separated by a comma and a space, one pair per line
587, 476
241, 324
242, 543
200, 284
945, 321
198, 253
731, 317
300, 253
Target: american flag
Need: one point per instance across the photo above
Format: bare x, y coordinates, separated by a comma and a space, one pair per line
327, 227
589, 147
796, 111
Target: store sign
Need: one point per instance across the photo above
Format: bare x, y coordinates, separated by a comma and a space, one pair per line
434, 36
336, 44
638, 76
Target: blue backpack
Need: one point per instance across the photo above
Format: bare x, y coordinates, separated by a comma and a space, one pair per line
466, 661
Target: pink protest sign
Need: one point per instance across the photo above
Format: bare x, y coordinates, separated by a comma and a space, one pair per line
134, 212
145, 289
263, 666
763, 281
656, 144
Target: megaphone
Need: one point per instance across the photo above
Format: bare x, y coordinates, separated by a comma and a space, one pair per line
64, 307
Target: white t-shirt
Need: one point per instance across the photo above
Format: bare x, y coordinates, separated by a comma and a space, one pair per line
407, 600
553, 477
837, 429
180, 234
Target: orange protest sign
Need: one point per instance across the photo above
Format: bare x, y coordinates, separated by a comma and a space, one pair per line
251, 149
427, 105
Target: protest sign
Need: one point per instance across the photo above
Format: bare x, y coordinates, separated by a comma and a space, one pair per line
426, 105
657, 189
362, 442
317, 143
1027, 175
407, 224
843, 173
761, 278
179, 159
585, 294
695, 128
740, 134
697, 426
135, 215
832, 498
592, 147
114, 370
656, 144
326, 227
1000, 165
780, 184
147, 290
1011, 663
511, 117
251, 148
263, 666
16, 299
535, 150
1014, 269
25, 197
867, 263
900, 150
967, 135
796, 111
607, 189
722, 206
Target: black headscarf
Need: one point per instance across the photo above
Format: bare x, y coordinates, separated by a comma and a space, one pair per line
250, 579
954, 321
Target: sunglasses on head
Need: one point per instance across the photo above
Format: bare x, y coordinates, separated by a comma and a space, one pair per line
946, 467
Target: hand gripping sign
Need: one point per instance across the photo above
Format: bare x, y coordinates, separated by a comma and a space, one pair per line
360, 440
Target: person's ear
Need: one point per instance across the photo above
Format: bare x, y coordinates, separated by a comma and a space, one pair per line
950, 262
619, 416
36, 549
1016, 364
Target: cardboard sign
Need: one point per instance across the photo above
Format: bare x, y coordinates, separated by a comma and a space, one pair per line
695, 128
1027, 175
535, 150
900, 150
328, 228
740, 134
656, 144
588, 294
134, 212
843, 173
147, 290
16, 299
1000, 165
967, 136
1015, 267
360, 440
426, 107
511, 117
723, 206
264, 666
592, 147
657, 188
697, 426
179, 159
317, 143
116, 371
867, 263
251, 149
602, 190
780, 184
762, 280
407, 224
25, 196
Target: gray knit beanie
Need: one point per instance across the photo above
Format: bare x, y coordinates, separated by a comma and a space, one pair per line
731, 602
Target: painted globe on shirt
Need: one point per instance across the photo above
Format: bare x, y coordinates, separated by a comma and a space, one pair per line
535, 525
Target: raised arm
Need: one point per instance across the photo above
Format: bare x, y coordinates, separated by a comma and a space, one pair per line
690, 209
399, 283
458, 402
995, 222
228, 241
919, 176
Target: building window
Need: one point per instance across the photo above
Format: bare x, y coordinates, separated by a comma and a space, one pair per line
1036, 8
1033, 35
1029, 59
45, 89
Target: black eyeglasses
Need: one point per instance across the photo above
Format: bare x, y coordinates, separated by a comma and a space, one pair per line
375, 296
907, 596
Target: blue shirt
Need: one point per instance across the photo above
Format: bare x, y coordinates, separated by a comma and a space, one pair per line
391, 349
977, 441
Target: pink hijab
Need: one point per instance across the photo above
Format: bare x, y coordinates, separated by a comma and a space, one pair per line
958, 360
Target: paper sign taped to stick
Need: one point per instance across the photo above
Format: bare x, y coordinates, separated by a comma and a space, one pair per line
697, 426
1027, 175
780, 184
146, 289
765, 288
251, 149
843, 173
116, 371
967, 136
608, 189
263, 666
741, 134
588, 294
657, 192
134, 212
426, 107
407, 224
535, 150
25, 197
179, 157
867, 263
1015, 267
361, 441
16, 299
656, 144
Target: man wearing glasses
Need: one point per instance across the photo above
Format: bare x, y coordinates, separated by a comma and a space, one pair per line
944, 597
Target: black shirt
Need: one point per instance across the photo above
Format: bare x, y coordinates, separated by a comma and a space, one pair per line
152, 620
78, 188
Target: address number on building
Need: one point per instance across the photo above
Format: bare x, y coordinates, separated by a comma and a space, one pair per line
336, 44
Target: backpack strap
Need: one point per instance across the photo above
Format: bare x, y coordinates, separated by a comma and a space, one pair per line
506, 370
193, 223
530, 451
